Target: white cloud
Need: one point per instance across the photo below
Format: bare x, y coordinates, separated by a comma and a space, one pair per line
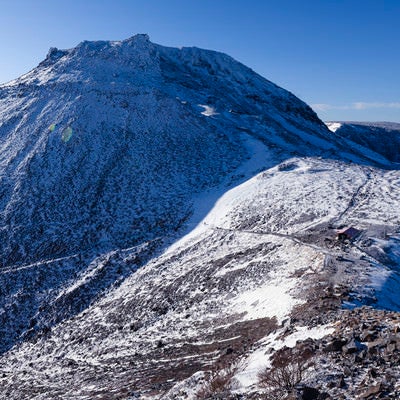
360, 105
321, 107
365, 106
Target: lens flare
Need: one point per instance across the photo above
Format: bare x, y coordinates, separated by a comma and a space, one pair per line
52, 127
67, 134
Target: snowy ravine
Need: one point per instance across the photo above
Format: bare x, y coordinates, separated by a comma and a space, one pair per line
165, 209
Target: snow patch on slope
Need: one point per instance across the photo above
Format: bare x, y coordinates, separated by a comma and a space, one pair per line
333, 126
208, 110
269, 300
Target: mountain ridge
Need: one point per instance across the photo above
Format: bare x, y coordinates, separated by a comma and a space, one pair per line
383, 137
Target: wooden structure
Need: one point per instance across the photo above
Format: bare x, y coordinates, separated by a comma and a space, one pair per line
348, 233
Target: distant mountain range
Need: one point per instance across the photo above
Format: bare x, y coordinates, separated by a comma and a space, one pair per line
382, 137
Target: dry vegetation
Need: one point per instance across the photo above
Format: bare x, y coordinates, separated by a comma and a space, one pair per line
289, 367
220, 381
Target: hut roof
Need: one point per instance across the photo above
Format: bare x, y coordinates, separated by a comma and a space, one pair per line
349, 231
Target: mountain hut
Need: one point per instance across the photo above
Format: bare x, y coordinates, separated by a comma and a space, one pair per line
348, 233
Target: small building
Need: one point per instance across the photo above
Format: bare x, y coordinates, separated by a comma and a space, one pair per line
348, 233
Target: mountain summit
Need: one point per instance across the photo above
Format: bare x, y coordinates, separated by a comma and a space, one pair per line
166, 211
103, 144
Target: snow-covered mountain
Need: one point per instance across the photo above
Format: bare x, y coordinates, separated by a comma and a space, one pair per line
165, 210
102, 149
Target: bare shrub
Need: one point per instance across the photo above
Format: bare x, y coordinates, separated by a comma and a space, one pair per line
220, 380
289, 367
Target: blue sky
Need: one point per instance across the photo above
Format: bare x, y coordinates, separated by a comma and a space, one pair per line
342, 57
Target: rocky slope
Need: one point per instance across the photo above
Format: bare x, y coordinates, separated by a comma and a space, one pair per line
169, 212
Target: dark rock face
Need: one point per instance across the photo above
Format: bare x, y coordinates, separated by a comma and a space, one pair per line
335, 345
309, 393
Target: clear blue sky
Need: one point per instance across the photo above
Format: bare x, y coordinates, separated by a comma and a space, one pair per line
342, 57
